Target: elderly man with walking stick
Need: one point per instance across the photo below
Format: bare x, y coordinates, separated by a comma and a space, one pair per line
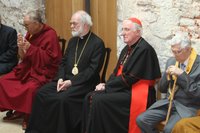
181, 82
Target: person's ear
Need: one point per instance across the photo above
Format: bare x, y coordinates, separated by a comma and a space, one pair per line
138, 32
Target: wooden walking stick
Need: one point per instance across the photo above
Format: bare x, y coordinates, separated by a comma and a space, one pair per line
171, 97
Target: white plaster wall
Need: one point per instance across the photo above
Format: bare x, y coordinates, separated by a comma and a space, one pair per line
12, 11
160, 19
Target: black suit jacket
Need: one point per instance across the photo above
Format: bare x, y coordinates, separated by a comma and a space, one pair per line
8, 49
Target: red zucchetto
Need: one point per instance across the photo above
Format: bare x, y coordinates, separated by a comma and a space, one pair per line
135, 20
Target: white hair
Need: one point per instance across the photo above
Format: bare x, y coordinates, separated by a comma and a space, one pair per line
181, 38
85, 17
137, 27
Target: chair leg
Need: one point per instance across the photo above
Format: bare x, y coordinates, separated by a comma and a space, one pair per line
25, 121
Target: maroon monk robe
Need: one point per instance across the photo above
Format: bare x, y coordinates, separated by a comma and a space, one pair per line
39, 66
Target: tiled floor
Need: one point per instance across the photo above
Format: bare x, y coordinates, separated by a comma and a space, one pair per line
10, 126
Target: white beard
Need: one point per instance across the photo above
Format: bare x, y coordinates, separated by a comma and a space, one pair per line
75, 33
78, 32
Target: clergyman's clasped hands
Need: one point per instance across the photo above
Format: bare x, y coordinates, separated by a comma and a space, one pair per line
63, 85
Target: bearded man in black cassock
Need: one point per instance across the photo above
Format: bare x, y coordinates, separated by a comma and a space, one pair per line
58, 105
114, 105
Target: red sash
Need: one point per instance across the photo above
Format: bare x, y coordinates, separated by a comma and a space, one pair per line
139, 96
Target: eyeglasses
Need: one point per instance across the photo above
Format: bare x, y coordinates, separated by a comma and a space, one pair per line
74, 23
27, 25
126, 29
177, 52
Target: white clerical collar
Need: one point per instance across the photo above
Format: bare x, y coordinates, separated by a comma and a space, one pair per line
83, 36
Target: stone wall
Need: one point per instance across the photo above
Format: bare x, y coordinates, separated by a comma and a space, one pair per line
12, 11
161, 19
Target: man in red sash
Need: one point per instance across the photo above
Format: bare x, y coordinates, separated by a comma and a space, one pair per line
114, 106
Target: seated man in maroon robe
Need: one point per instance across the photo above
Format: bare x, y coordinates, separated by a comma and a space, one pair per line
40, 56
58, 105
114, 105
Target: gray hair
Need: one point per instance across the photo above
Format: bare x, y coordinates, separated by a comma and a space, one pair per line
181, 38
0, 19
35, 15
85, 17
137, 27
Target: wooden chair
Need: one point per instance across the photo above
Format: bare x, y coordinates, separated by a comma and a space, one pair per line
105, 66
62, 42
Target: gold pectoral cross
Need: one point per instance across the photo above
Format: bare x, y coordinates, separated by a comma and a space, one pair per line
75, 69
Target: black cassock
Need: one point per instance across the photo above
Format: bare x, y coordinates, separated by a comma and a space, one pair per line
108, 111
61, 112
